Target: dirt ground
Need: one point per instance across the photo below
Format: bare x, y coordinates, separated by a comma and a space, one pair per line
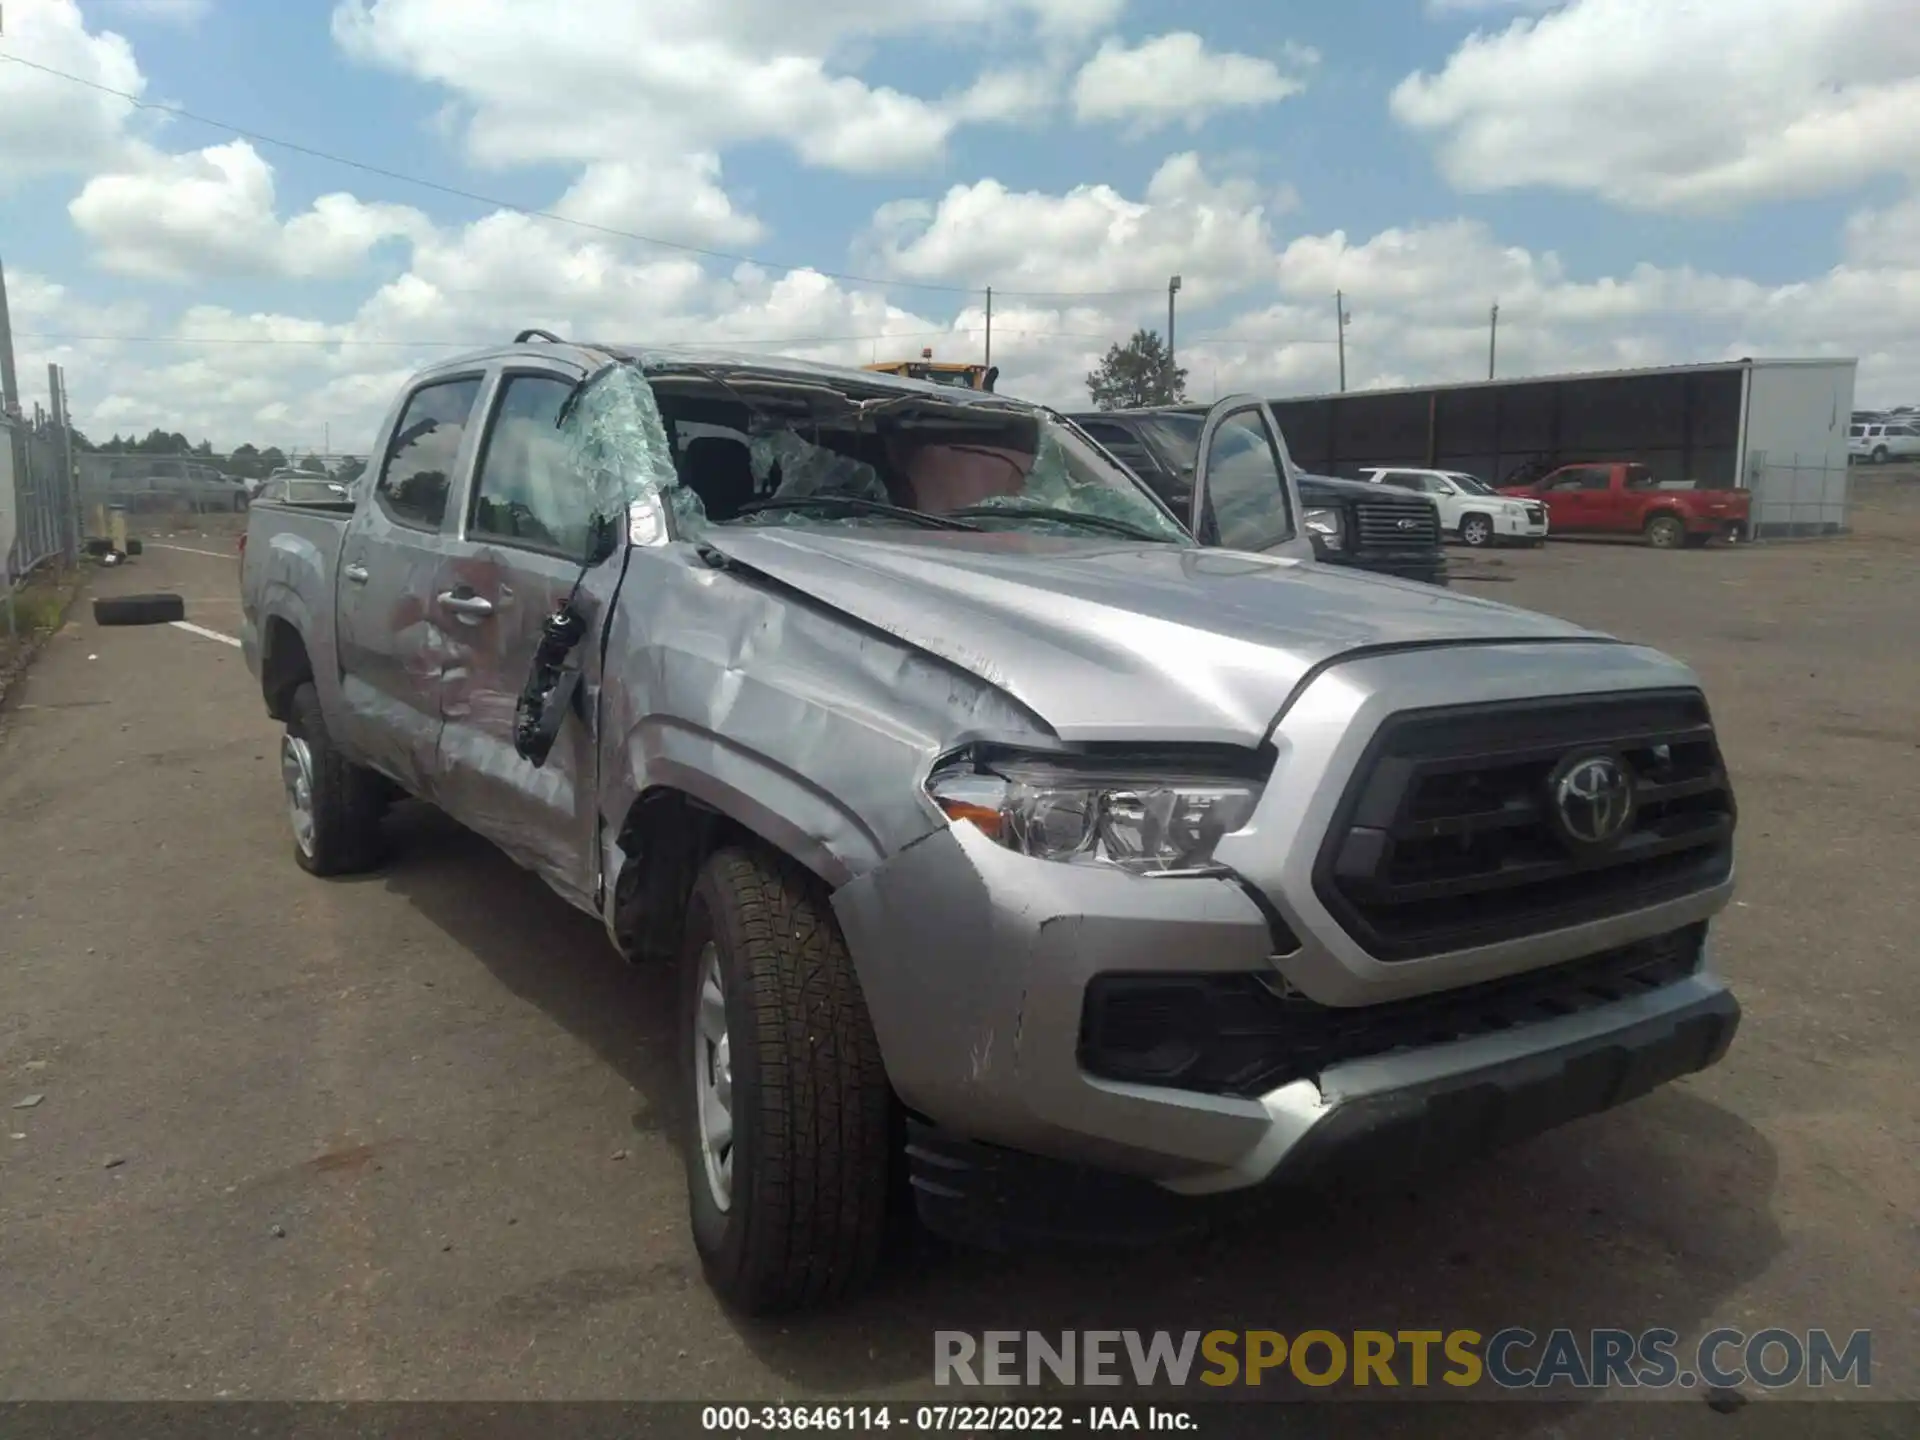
408, 1136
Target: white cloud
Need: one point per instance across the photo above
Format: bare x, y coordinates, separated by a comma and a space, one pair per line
678, 198
612, 80
1175, 77
1661, 106
1215, 234
211, 212
1889, 237
1419, 295
183, 13
1487, 7
48, 124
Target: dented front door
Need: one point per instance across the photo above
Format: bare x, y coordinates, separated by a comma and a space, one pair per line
1244, 497
520, 551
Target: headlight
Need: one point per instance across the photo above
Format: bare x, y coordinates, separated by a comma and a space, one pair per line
1326, 524
1143, 824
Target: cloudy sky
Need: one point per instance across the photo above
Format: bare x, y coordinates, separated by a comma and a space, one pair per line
1633, 181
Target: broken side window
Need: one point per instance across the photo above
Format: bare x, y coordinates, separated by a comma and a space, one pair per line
617, 442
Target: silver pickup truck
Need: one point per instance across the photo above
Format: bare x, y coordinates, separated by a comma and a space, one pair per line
1048, 867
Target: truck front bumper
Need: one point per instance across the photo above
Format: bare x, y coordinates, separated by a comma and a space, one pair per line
1530, 524
976, 963
1372, 1123
1427, 566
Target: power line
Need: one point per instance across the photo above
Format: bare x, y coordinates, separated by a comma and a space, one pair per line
706, 342
724, 342
533, 214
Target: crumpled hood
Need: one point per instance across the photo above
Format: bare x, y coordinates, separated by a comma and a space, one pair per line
1122, 641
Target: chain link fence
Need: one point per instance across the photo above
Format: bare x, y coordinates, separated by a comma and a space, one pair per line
39, 516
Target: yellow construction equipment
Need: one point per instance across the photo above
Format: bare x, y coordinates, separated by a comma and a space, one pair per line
940, 372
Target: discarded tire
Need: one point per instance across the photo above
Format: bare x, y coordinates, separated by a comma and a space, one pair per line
138, 609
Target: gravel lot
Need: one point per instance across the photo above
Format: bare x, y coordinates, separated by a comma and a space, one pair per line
409, 1136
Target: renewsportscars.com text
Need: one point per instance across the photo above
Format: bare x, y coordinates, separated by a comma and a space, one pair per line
1509, 1359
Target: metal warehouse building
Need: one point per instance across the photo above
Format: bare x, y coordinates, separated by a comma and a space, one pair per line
1775, 427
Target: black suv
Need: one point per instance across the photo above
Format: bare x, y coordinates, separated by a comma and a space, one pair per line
1352, 523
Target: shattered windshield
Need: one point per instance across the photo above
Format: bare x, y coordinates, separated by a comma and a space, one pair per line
763, 448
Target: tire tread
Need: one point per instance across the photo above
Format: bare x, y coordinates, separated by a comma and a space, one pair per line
821, 1111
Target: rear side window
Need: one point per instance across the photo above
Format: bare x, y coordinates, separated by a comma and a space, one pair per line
528, 492
1402, 479
418, 469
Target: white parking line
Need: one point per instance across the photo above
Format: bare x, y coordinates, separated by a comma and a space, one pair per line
189, 550
201, 630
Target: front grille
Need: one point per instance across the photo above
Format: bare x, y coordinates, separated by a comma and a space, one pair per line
1395, 523
1235, 1035
1446, 838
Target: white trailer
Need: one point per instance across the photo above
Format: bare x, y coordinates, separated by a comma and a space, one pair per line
1775, 427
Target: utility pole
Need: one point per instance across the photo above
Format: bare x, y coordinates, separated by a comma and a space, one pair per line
989, 359
1173, 289
1493, 339
72, 526
9, 382
1340, 319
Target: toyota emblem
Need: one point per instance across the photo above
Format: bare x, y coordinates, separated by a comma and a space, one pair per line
1593, 799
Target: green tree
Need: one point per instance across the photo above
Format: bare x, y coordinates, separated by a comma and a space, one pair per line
313, 465
1141, 372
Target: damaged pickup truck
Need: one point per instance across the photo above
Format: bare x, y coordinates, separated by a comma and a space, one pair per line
1017, 854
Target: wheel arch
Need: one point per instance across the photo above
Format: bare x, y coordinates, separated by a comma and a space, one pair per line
684, 814
285, 665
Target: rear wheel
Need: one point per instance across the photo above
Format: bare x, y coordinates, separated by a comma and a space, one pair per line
1665, 532
334, 805
1879, 454
1476, 530
787, 1124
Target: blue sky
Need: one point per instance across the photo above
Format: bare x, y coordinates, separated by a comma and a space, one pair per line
1574, 161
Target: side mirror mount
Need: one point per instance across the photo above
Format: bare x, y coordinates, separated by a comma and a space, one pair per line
603, 538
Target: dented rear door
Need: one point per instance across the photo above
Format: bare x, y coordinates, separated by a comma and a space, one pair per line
392, 636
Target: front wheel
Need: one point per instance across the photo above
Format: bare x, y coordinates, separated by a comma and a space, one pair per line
1664, 532
786, 1128
1476, 531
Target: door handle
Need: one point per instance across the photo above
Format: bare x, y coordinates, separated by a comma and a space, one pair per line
358, 574
466, 604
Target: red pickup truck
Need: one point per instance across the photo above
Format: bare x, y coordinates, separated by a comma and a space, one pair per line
1622, 499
